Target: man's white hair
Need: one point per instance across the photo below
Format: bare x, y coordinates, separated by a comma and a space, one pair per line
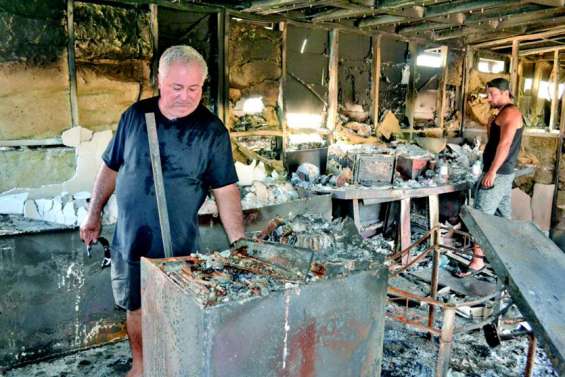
181, 54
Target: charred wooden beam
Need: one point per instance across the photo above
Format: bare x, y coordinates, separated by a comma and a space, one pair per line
555, 91
556, 41
524, 37
73, 98
381, 20
551, 3
297, 6
281, 108
376, 78
266, 5
514, 69
441, 103
468, 6
154, 26
222, 98
466, 32
542, 50
333, 80
411, 92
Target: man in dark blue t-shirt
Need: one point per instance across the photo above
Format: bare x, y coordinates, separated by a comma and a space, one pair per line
195, 155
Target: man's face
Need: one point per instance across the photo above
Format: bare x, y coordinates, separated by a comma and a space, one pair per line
497, 98
180, 89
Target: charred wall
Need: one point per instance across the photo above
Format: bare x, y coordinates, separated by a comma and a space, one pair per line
255, 71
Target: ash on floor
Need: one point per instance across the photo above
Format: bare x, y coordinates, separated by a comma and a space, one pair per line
106, 361
406, 354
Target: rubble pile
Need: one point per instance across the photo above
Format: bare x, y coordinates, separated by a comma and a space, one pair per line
65, 208
271, 191
227, 276
301, 249
415, 167
335, 242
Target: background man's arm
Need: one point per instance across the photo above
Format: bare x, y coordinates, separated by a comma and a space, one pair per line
509, 123
229, 207
103, 187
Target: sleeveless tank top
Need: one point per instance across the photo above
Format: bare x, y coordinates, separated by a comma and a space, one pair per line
509, 164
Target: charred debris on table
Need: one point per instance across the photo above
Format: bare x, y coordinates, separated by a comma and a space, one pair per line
285, 254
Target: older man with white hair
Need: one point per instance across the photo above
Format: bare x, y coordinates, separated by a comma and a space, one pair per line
196, 156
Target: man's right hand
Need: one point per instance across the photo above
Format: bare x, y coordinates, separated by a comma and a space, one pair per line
90, 229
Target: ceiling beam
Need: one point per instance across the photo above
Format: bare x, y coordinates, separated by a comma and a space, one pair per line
523, 37
297, 6
531, 43
500, 20
381, 20
265, 5
467, 30
468, 6
551, 3
541, 50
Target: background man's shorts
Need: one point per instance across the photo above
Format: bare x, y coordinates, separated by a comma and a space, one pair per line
126, 282
497, 200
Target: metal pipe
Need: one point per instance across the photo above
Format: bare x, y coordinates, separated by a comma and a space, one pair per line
435, 276
531, 359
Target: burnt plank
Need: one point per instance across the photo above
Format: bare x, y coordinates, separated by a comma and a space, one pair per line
533, 269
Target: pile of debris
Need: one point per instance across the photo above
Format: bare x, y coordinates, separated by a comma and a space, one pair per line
258, 194
65, 208
227, 276
400, 165
336, 243
286, 252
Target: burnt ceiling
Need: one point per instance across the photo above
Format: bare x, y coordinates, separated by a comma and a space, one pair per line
487, 24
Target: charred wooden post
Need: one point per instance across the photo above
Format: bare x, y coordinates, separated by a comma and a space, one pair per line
281, 108
440, 108
468, 66
555, 91
154, 27
222, 98
333, 81
376, 78
411, 92
72, 64
514, 69
445, 341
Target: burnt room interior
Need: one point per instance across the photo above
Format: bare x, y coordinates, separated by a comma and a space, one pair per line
357, 129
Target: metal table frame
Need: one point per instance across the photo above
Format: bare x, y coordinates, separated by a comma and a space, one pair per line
401, 261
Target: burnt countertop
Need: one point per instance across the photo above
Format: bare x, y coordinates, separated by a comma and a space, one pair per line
11, 225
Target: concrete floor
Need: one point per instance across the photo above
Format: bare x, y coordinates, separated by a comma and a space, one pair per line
406, 354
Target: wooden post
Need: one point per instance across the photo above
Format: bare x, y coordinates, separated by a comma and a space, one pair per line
555, 91
535, 108
433, 212
562, 122
154, 27
440, 98
222, 88
411, 93
376, 78
281, 108
558, 167
332, 85
405, 231
445, 342
469, 64
514, 69
73, 96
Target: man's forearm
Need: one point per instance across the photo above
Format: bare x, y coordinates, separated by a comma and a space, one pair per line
104, 186
229, 207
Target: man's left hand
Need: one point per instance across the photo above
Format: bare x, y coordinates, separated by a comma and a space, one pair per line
488, 179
